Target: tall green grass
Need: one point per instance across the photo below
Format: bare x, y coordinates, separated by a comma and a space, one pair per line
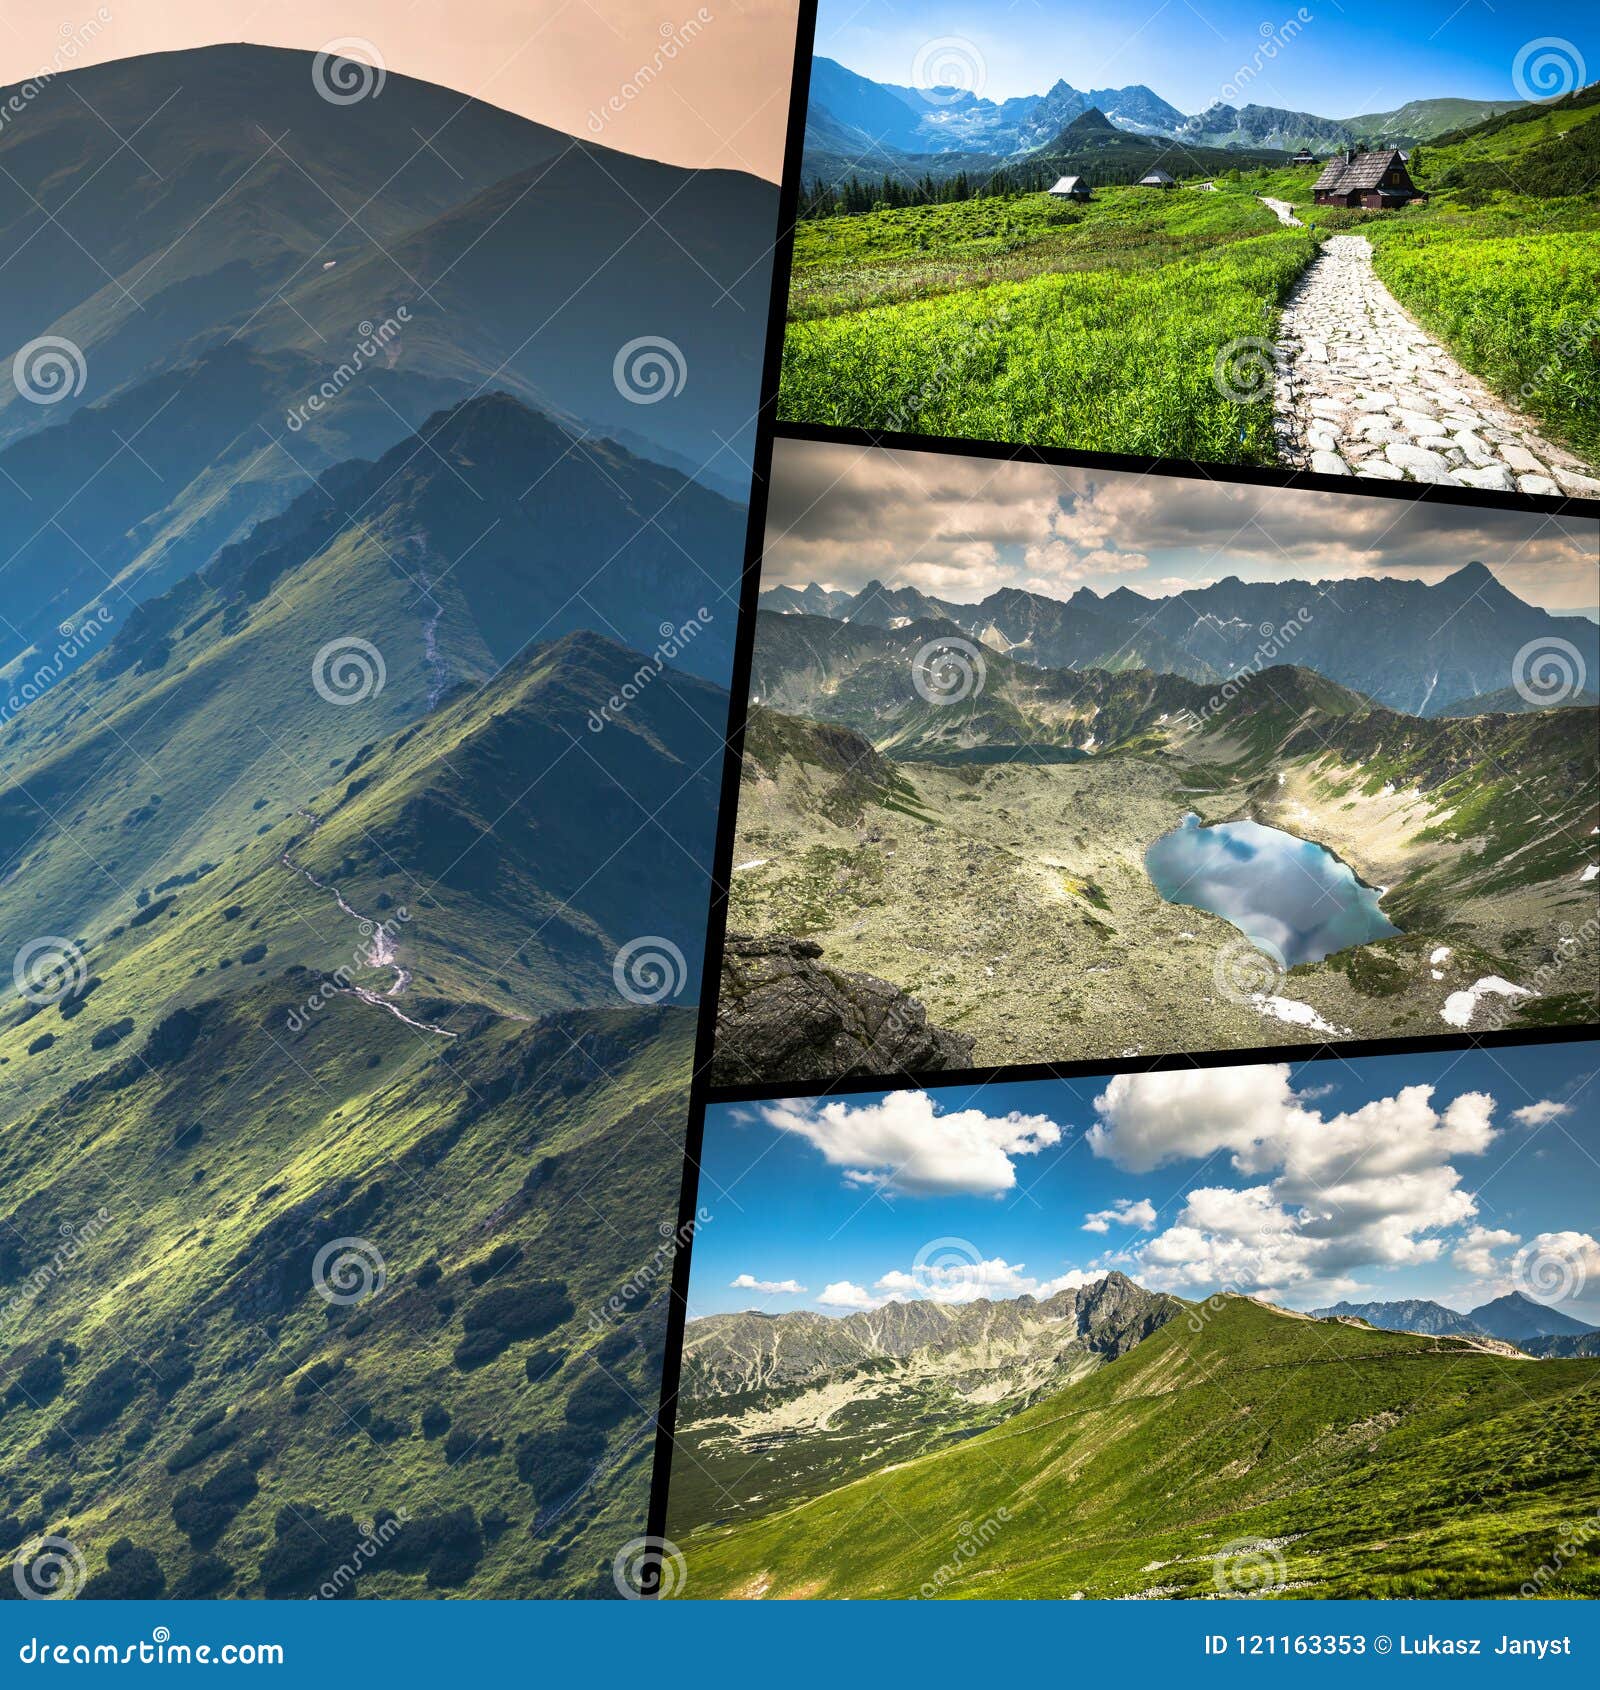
1522, 312
1105, 335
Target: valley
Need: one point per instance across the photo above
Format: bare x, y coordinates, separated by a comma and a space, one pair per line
987, 853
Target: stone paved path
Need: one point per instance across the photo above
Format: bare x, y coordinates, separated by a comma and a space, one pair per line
1283, 211
1361, 389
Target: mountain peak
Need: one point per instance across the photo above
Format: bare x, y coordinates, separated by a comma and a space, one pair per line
1090, 121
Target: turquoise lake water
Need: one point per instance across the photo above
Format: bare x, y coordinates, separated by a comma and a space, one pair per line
1293, 899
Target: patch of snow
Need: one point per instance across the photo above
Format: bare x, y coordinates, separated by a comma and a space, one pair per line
755, 862
1442, 954
899, 621
1438, 973
1088, 744
1590, 872
1459, 1006
1295, 1013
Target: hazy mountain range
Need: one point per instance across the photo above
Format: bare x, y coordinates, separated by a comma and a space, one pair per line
326, 851
852, 121
1424, 649
1514, 1317
214, 277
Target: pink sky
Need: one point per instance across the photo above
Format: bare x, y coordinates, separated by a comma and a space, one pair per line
715, 93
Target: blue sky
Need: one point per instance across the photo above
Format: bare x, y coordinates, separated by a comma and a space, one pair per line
1309, 1183
1353, 56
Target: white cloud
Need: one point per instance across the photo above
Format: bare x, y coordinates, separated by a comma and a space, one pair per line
1536, 1114
771, 1287
1125, 1211
1556, 1266
960, 527
1376, 1186
960, 1282
841, 1294
905, 1145
1475, 1253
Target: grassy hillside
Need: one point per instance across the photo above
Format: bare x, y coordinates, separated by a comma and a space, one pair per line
239, 1081
1339, 1460
335, 983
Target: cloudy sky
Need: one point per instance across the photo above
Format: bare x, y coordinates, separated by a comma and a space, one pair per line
960, 528
1454, 1177
1357, 56
718, 99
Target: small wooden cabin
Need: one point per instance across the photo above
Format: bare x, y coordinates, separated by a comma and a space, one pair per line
1072, 188
1379, 181
1304, 156
1157, 179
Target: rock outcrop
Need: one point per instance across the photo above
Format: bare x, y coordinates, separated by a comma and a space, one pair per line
783, 1015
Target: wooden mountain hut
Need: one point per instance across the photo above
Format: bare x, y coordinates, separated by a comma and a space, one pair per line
1072, 188
1379, 181
1157, 179
1304, 156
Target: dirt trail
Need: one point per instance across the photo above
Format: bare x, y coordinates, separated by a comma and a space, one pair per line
1362, 389
377, 952
1283, 210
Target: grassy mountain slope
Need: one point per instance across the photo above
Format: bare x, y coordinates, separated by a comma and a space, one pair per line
339, 949
202, 722
1351, 1457
240, 1080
